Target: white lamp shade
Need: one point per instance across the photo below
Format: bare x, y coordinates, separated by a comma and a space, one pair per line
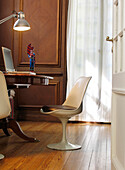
21, 25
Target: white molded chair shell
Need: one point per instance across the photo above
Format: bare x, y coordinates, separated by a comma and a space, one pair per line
71, 107
5, 107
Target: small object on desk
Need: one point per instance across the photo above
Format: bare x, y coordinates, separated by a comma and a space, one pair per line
31, 55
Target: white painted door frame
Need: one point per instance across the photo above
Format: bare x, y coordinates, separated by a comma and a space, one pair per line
118, 86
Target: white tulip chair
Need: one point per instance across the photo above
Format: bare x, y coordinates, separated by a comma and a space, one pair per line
71, 107
5, 107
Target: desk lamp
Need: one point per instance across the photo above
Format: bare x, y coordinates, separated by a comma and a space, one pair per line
21, 24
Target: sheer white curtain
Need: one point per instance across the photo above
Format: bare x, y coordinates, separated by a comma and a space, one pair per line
88, 54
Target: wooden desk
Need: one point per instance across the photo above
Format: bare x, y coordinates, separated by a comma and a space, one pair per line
24, 80
27, 79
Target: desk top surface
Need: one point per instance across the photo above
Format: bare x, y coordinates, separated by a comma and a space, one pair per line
27, 75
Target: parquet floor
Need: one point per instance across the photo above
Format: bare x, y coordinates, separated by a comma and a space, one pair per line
22, 155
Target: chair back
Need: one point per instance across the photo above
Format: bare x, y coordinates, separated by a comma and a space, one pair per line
5, 107
77, 93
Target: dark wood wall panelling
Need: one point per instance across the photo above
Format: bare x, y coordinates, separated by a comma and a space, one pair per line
48, 36
6, 32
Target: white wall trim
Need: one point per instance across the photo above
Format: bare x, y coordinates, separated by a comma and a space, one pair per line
118, 90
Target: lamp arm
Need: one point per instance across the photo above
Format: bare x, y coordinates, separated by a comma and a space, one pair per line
7, 18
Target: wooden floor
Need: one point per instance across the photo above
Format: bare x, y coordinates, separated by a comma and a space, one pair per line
22, 155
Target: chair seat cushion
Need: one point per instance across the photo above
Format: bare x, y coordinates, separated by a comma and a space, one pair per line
50, 108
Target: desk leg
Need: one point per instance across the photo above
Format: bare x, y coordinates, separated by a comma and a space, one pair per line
14, 125
6, 131
4, 127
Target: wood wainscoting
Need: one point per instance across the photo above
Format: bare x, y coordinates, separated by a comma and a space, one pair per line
48, 20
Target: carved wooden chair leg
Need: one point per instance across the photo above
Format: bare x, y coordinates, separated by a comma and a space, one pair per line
6, 132
17, 129
4, 127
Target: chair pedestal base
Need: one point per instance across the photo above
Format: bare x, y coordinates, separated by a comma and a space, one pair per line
1, 156
63, 146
